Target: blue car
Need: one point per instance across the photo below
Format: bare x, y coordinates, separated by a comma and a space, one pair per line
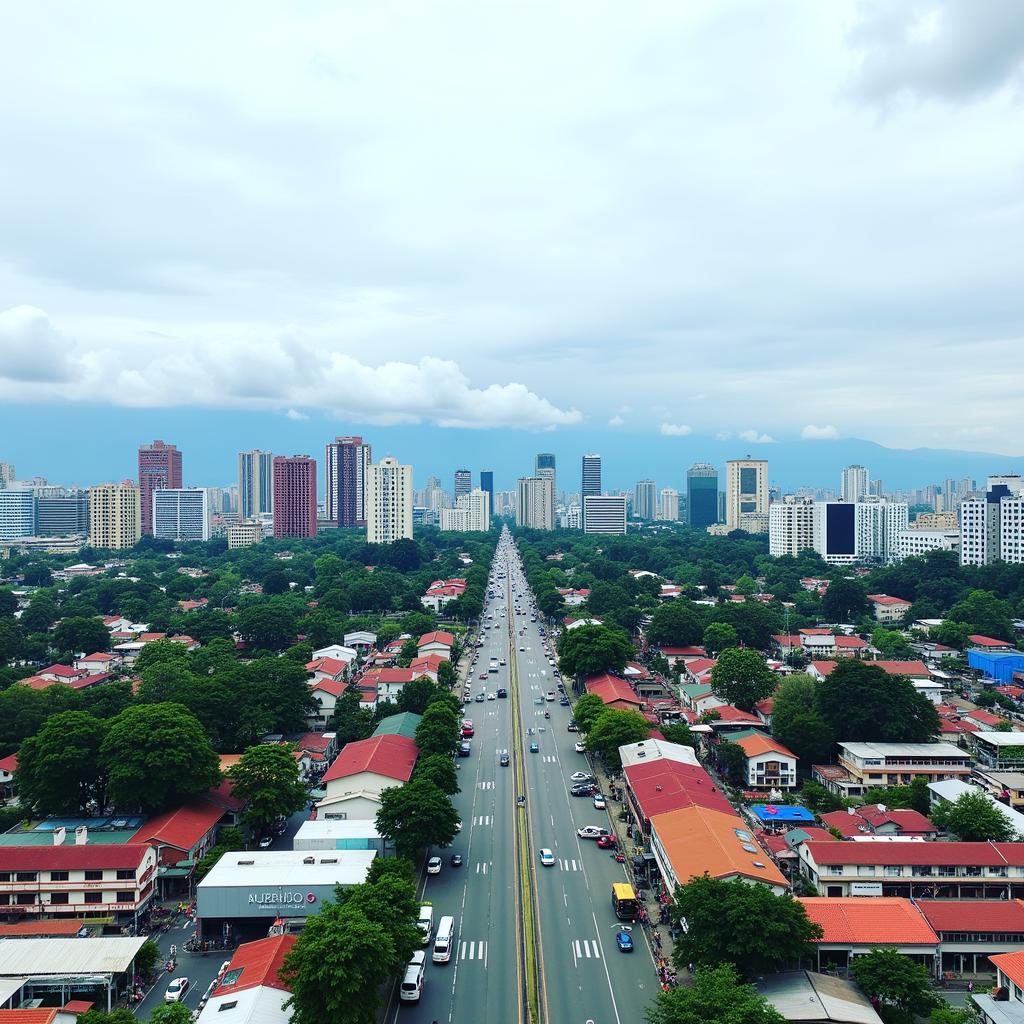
534, 747
624, 941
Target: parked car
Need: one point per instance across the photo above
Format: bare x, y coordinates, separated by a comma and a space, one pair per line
572, 726
581, 747
582, 789
455, 860
607, 842
599, 804
582, 777
502, 692
592, 832
434, 866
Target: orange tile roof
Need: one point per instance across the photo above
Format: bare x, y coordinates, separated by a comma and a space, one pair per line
43, 1015
256, 963
757, 743
1012, 965
878, 921
699, 839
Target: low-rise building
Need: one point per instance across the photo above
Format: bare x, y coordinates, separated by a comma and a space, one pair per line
251, 990
244, 534
437, 642
879, 820
923, 679
362, 771
972, 931
888, 609
872, 765
1001, 751
614, 692
952, 789
1006, 787
770, 764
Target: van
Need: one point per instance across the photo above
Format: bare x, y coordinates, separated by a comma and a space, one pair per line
426, 923
412, 983
444, 941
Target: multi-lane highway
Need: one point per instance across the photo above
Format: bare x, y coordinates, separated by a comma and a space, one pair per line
583, 974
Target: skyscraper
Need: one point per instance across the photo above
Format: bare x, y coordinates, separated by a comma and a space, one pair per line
181, 513
345, 471
790, 526
463, 482
535, 503
702, 495
746, 490
159, 466
255, 483
992, 524
115, 517
591, 478
388, 502
487, 484
63, 515
294, 496
6, 474
17, 513
668, 509
644, 500
854, 483
472, 513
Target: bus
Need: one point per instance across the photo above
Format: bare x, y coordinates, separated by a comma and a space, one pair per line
624, 902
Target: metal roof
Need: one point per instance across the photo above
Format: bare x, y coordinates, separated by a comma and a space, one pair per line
36, 957
288, 868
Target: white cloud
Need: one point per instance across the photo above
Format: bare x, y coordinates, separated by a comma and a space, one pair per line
755, 438
675, 429
616, 421
30, 349
294, 414
723, 435
813, 433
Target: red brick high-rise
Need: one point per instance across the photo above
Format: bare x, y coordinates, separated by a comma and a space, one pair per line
159, 467
294, 496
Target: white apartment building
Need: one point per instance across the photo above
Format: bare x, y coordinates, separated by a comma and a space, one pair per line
181, 513
918, 542
790, 526
571, 517
388, 502
668, 507
845, 533
604, 513
535, 503
245, 534
991, 525
17, 513
644, 502
854, 484
746, 489
472, 513
115, 519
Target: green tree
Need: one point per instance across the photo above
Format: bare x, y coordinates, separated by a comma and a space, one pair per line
952, 634
815, 797
589, 650
446, 676
677, 623
351, 719
267, 626
11, 640
266, 777
797, 723
409, 651
438, 731
844, 601
974, 818
40, 615
719, 636
59, 769
985, 614
439, 769
587, 710
679, 732
81, 635
742, 924
732, 760
148, 956
9, 605
716, 996
170, 1013
114, 1017
891, 644
416, 816
613, 729
157, 756
416, 695
742, 678
894, 980
160, 652
397, 866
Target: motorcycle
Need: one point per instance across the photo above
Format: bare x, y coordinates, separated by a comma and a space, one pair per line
547, 714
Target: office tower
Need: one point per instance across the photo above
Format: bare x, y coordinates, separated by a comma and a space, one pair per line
17, 513
487, 484
854, 483
345, 470
159, 467
472, 513
255, 483
604, 513
181, 513
544, 465
847, 532
115, 515
535, 504
668, 507
644, 501
790, 526
746, 490
591, 479
388, 502
992, 525
294, 496
63, 515
702, 496
6, 474
463, 483
244, 534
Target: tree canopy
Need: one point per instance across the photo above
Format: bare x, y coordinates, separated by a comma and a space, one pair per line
267, 778
416, 816
716, 996
974, 818
741, 677
589, 650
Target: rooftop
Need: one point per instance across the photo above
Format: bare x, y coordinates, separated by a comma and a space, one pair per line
974, 915
256, 963
111, 954
879, 921
389, 755
284, 869
808, 996
944, 750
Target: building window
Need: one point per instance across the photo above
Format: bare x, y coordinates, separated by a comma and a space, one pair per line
94, 876
59, 897
25, 876
94, 897
26, 899
58, 876
128, 896
125, 873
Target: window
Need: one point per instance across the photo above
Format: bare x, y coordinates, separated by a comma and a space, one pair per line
94, 876
94, 897
26, 899
58, 876
126, 896
59, 897
25, 876
5, 876
125, 873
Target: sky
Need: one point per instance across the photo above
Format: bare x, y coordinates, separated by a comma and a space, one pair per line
735, 223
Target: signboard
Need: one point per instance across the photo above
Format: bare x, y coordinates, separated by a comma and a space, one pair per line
272, 900
865, 888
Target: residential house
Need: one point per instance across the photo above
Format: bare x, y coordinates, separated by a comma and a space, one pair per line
437, 642
574, 598
770, 764
989, 643
429, 665
362, 771
327, 668
94, 664
181, 837
888, 609
677, 656
250, 990
441, 593
1006, 787
614, 692
1003, 1005
337, 652
325, 693
385, 683
360, 640
879, 820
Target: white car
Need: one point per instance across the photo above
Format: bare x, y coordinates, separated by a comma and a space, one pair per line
592, 832
581, 748
551, 696
176, 990
547, 858
434, 866
492, 696
599, 803
581, 777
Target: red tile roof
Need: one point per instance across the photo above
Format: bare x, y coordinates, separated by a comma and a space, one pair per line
1012, 965
918, 669
908, 852
389, 755
72, 858
40, 929
331, 666
758, 744
816, 631
183, 828
879, 921
974, 915
665, 785
335, 687
257, 963
886, 601
986, 641
850, 642
77, 1006
9, 763
983, 717
611, 688
727, 713
42, 1015
439, 636
700, 665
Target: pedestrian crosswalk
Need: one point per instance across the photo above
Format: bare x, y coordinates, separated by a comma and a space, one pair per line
570, 865
483, 819
486, 785
473, 951
585, 949
481, 867
550, 759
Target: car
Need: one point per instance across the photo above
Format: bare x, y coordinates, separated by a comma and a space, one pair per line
538, 700
607, 842
502, 692
465, 749
434, 866
557, 674
624, 941
581, 747
522, 648
176, 990
582, 777
599, 802
458, 826
572, 726
482, 675
547, 858
501, 661
481, 697
503, 759
266, 842
455, 860
582, 789
592, 832
491, 696
564, 702
551, 696
534, 747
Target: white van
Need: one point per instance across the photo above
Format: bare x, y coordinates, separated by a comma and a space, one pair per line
444, 941
412, 984
426, 923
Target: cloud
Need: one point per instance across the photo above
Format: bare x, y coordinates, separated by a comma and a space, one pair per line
813, 433
294, 414
755, 438
30, 348
675, 429
616, 421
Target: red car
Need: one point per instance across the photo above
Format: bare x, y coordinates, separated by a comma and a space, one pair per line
606, 842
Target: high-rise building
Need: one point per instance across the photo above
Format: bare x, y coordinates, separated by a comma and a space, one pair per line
992, 524
544, 465
345, 471
847, 532
487, 484
63, 515
388, 502
535, 503
17, 513
181, 513
702, 495
6, 474
255, 483
604, 513
244, 534
854, 483
159, 467
472, 513
790, 526
294, 496
668, 507
644, 500
463, 483
746, 489
591, 478
115, 515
